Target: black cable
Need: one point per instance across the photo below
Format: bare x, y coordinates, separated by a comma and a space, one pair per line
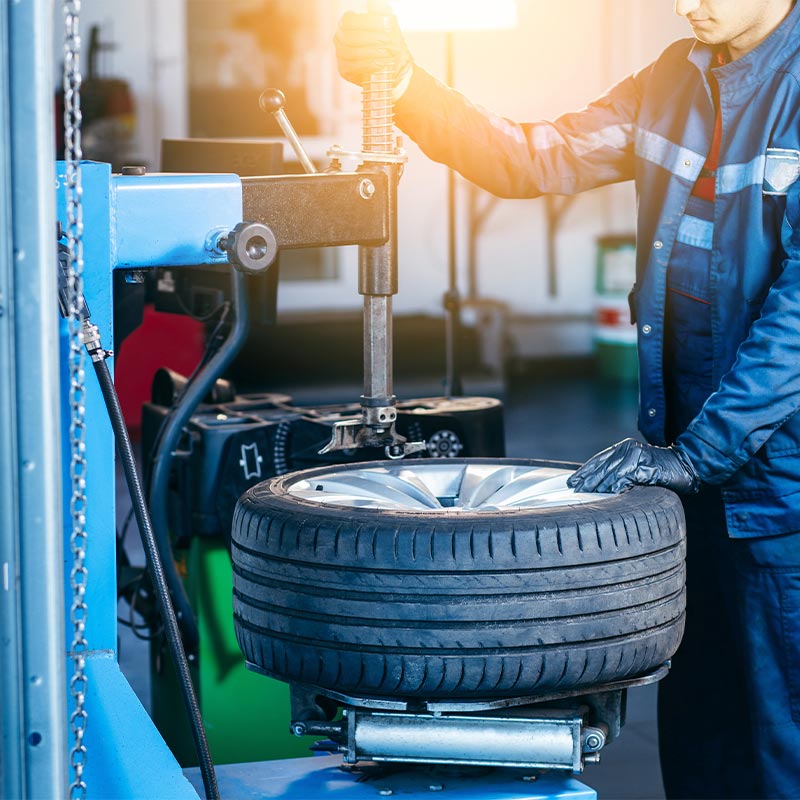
214, 342
198, 317
158, 578
172, 432
121, 536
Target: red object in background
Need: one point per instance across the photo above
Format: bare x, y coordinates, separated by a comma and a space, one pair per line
611, 316
162, 340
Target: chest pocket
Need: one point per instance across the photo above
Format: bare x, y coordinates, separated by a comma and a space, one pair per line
781, 170
690, 260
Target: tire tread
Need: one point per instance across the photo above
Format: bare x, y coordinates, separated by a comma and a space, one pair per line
316, 590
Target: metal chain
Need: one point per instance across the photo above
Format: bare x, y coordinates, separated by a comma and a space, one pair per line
77, 392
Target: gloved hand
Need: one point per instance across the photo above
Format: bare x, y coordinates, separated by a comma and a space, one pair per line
634, 463
369, 43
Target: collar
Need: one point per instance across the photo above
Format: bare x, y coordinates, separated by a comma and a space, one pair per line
755, 66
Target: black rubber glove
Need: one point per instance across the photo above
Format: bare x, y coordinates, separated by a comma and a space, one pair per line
634, 463
369, 43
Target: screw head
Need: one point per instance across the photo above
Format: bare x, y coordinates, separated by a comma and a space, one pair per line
367, 189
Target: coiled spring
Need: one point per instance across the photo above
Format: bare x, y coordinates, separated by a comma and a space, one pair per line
378, 113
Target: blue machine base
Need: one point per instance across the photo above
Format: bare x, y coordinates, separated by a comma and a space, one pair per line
320, 778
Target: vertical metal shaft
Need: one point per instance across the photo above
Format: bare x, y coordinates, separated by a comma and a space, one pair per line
378, 265
378, 282
378, 347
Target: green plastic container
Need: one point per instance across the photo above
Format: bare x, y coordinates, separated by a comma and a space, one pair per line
614, 334
246, 715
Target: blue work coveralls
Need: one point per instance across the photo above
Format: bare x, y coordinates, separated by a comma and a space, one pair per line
724, 382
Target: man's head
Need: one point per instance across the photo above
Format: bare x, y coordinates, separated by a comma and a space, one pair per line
741, 24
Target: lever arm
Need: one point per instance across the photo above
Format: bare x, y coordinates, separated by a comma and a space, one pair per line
272, 101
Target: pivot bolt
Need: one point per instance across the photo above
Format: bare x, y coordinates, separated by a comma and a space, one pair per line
593, 741
366, 189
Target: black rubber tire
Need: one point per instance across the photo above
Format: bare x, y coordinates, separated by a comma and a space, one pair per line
487, 604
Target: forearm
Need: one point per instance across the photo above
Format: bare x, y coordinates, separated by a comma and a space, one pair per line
760, 392
576, 152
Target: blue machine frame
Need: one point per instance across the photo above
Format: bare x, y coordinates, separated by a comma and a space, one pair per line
130, 222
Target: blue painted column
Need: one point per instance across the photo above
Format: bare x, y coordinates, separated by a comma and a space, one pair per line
134, 222
101, 583
32, 674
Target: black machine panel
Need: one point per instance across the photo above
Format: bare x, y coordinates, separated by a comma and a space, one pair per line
230, 446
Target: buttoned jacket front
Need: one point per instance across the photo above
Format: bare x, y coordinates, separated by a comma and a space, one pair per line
656, 127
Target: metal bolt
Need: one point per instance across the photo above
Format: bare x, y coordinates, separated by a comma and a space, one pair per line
366, 189
647, 329
593, 741
658, 244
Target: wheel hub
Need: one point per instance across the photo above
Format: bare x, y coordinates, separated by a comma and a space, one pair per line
447, 487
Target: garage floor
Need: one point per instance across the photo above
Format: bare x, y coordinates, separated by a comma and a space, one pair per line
552, 412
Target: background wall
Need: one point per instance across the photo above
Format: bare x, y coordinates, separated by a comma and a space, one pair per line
148, 50
561, 56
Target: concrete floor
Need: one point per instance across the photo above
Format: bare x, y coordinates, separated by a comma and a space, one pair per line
564, 415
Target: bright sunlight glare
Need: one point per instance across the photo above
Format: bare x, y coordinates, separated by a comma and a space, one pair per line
455, 15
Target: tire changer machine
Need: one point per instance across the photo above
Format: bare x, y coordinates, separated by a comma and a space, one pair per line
70, 718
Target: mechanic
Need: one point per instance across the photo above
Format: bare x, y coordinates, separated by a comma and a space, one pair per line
710, 132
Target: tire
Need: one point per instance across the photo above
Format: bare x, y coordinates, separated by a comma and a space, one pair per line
457, 604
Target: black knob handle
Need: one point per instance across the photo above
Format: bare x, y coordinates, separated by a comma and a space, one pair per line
251, 247
272, 100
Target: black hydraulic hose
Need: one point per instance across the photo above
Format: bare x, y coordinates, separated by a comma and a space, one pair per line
162, 460
155, 565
